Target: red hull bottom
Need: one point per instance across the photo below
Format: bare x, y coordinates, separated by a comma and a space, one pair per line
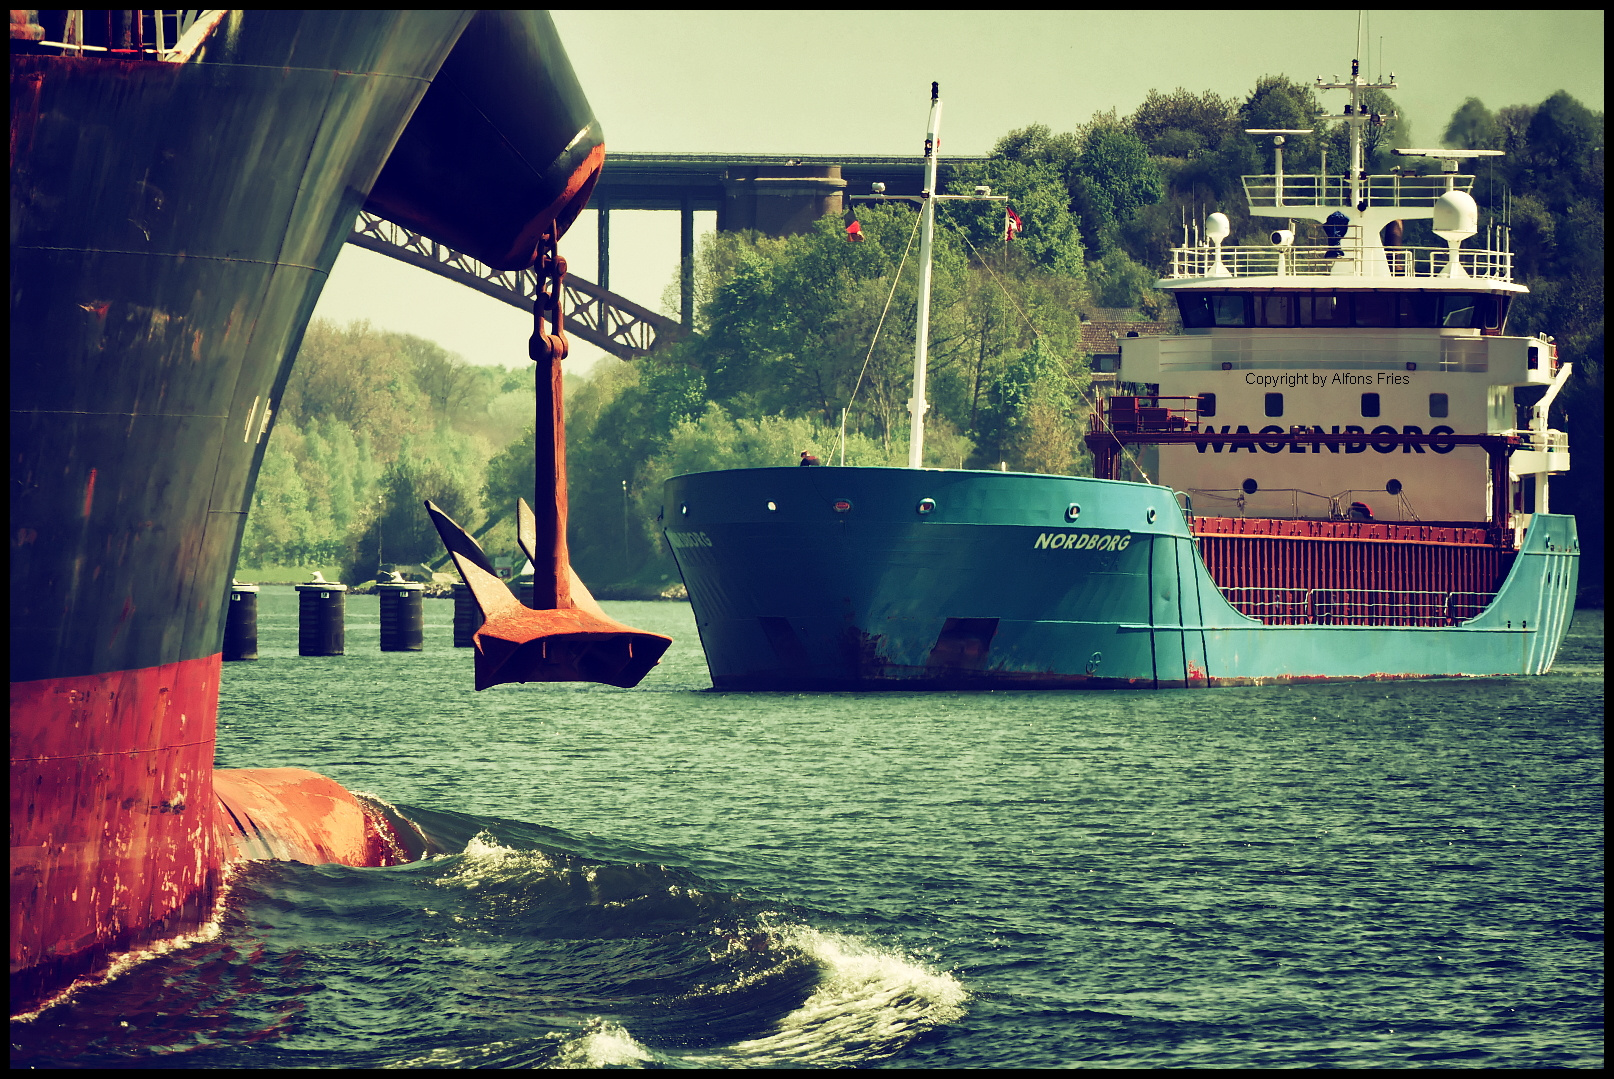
121, 827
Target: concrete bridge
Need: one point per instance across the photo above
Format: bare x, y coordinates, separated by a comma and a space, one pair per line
777, 195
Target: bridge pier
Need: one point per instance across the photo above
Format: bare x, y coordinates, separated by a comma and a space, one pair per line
603, 205
780, 200
686, 262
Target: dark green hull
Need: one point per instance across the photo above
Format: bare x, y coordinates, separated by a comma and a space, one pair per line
172, 225
994, 588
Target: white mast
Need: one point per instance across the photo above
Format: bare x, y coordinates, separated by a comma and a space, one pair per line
917, 403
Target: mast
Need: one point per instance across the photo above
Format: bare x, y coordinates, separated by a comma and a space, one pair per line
917, 403
1355, 117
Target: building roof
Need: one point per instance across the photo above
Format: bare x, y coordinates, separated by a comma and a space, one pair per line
1100, 336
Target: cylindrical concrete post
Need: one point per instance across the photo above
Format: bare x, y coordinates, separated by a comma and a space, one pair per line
465, 617
403, 617
321, 619
241, 623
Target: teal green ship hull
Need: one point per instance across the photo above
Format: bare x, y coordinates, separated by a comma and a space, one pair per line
882, 578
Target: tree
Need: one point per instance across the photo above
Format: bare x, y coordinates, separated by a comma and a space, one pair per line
1030, 418
1049, 238
447, 470
1563, 160
361, 377
1183, 124
453, 387
1472, 127
280, 522
1117, 179
1279, 102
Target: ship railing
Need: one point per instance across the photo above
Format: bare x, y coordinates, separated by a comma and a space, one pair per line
1385, 189
1550, 440
1356, 606
1268, 503
150, 34
1154, 413
1226, 499
1313, 260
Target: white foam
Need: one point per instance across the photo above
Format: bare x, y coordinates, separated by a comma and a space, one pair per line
605, 1045
868, 1004
124, 961
486, 861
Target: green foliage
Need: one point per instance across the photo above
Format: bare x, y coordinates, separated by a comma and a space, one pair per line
1279, 102
449, 470
1117, 180
1037, 192
1183, 124
1025, 421
370, 424
1472, 127
280, 527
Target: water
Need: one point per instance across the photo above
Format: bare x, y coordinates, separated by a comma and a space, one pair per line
1343, 876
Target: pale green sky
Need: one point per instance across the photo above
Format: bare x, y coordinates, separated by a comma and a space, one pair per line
835, 81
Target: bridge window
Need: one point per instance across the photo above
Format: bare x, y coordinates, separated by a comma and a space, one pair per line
1375, 309
1490, 313
1230, 310
1277, 310
1207, 404
1274, 404
1195, 308
1370, 404
1323, 309
1417, 309
1457, 312
1201, 310
1438, 406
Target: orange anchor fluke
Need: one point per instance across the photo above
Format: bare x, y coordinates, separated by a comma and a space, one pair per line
577, 642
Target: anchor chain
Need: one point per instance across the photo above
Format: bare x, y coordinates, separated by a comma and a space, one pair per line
547, 305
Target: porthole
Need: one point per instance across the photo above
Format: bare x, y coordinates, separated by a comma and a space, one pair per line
772, 507
1149, 515
1072, 512
684, 509
926, 505
841, 505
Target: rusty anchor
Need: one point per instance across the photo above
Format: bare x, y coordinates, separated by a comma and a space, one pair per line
565, 636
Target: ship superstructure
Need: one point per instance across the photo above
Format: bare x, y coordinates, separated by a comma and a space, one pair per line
1298, 348
1344, 465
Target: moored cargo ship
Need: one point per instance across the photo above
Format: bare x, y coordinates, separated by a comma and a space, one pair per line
182, 183
1351, 466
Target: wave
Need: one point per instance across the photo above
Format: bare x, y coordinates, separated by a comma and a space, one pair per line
761, 988
518, 946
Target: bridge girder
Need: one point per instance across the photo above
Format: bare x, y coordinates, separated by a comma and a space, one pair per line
602, 318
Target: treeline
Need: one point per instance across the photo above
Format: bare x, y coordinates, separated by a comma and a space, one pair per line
801, 337
370, 424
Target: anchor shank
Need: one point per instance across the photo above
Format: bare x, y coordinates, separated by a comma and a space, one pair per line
551, 589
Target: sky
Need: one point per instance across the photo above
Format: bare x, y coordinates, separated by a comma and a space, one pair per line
835, 81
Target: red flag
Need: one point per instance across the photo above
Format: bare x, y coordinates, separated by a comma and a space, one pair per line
854, 231
1012, 224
